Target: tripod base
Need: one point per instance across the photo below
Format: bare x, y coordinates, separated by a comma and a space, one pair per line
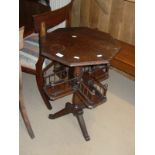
76, 111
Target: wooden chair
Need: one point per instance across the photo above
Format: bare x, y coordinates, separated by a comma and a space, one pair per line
27, 8
23, 108
21, 99
29, 54
49, 20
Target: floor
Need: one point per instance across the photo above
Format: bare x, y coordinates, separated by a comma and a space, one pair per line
110, 125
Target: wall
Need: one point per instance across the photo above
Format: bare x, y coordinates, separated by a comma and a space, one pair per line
116, 17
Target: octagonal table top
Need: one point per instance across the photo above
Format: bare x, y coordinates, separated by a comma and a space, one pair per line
79, 46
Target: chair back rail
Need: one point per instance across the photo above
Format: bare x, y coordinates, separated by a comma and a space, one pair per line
53, 18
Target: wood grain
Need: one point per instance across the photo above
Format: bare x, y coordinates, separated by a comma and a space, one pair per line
84, 12
127, 29
116, 18
113, 16
130, 1
102, 4
104, 17
94, 14
75, 17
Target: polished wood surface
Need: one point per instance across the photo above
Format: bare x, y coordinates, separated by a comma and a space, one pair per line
82, 69
80, 61
79, 46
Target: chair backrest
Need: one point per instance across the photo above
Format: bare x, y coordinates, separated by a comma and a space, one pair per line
53, 18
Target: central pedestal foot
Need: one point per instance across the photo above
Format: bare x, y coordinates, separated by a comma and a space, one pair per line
65, 111
76, 111
79, 116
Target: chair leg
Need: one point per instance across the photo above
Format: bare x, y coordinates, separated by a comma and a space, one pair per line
79, 116
40, 82
22, 106
26, 119
65, 111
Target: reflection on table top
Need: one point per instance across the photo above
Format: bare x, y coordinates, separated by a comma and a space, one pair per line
79, 46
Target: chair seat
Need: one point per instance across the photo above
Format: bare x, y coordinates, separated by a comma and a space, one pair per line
29, 54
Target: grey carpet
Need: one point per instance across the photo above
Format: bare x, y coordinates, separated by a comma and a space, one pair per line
110, 125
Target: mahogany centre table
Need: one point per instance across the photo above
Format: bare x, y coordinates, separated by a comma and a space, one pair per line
80, 61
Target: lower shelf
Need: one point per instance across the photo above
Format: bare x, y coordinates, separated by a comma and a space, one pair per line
58, 91
61, 83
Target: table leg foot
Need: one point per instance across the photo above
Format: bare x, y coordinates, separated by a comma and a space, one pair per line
45, 99
44, 96
65, 111
74, 109
79, 116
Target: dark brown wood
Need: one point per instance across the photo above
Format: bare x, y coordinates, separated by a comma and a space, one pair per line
85, 54
40, 82
77, 71
67, 110
42, 22
76, 110
28, 70
53, 18
77, 50
27, 8
79, 46
79, 116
